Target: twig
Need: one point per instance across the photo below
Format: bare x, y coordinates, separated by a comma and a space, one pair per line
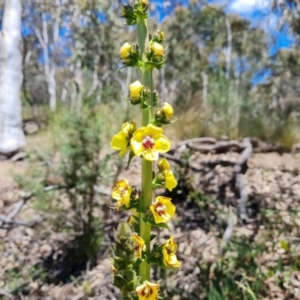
227, 233
18, 223
19, 205
221, 146
204, 140
6, 294
177, 160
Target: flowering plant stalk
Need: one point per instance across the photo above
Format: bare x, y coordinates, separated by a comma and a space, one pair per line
135, 248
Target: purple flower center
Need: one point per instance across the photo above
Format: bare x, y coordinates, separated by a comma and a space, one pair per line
148, 142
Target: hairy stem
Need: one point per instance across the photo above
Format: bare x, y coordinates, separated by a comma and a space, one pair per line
145, 228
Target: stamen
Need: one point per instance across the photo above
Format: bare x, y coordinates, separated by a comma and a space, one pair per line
160, 209
148, 142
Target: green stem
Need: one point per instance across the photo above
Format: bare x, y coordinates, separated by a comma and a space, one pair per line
145, 228
143, 39
124, 293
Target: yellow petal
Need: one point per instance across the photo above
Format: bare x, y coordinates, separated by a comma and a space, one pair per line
135, 90
137, 140
148, 291
153, 130
169, 253
158, 49
150, 155
162, 144
125, 50
163, 210
170, 260
164, 165
122, 193
128, 128
170, 181
167, 110
140, 244
120, 142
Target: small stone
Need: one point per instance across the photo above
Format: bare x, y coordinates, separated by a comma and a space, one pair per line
45, 250
45, 288
29, 232
3, 233
34, 285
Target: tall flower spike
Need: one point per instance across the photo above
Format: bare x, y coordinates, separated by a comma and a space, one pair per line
121, 141
149, 141
163, 209
148, 291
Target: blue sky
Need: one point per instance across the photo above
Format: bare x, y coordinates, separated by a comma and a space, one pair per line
257, 11
260, 14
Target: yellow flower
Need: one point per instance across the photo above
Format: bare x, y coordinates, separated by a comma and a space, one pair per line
122, 192
157, 49
125, 50
167, 110
170, 181
148, 141
135, 90
121, 141
163, 209
148, 291
169, 253
140, 245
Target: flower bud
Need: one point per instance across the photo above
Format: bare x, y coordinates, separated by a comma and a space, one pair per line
135, 90
158, 36
167, 110
144, 2
125, 51
158, 49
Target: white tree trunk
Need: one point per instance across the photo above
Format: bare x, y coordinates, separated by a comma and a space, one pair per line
11, 134
49, 65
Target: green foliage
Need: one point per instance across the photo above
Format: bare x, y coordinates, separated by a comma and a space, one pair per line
19, 279
236, 275
73, 173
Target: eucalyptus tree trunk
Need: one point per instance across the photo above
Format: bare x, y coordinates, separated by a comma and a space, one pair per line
11, 134
49, 65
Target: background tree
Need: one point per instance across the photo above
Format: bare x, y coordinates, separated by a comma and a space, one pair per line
11, 135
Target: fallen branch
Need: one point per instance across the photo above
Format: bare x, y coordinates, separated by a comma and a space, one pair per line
18, 223
222, 146
18, 207
204, 140
6, 294
237, 181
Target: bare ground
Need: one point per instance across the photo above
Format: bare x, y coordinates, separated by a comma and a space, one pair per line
273, 184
